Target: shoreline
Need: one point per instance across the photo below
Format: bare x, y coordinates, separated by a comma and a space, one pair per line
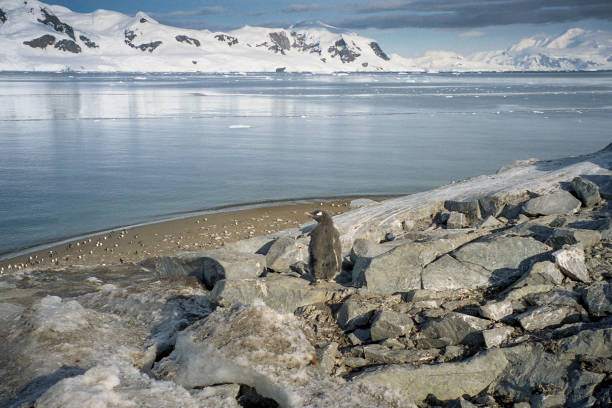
191, 231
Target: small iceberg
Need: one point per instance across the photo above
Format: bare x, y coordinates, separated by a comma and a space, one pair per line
240, 126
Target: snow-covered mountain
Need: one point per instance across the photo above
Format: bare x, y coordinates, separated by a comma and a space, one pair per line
574, 50
35, 36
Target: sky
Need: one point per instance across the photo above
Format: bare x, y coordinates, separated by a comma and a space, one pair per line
406, 27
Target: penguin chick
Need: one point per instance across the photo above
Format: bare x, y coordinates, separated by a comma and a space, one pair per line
325, 249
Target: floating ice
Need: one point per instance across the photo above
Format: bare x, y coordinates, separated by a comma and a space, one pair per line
239, 126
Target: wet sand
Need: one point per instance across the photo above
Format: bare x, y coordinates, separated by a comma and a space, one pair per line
194, 233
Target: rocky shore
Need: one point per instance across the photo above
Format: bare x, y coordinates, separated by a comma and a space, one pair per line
493, 291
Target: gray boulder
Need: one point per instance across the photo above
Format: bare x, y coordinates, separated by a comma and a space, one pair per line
456, 220
445, 381
548, 400
213, 265
541, 277
469, 208
461, 403
542, 317
581, 387
504, 257
598, 299
394, 271
529, 367
359, 336
286, 251
364, 248
595, 343
496, 336
490, 222
585, 238
327, 356
501, 252
458, 327
587, 191
449, 273
281, 293
544, 272
571, 262
560, 202
354, 314
255, 245
388, 325
496, 310
491, 206
559, 297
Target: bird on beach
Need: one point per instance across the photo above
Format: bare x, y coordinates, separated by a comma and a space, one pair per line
325, 249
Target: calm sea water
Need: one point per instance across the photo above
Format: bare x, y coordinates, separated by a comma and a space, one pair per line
80, 153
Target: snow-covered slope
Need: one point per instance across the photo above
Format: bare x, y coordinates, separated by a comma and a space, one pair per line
35, 36
574, 50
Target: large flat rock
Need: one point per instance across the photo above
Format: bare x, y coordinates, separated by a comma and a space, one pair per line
444, 381
400, 269
212, 265
559, 202
281, 293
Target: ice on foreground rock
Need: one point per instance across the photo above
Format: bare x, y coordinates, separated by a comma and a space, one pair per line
256, 346
120, 385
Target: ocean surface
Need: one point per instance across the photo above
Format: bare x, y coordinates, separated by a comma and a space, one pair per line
87, 152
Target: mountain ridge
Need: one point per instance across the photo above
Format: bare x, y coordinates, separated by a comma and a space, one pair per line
35, 36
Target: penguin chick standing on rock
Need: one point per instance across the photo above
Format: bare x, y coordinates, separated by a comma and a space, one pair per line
324, 249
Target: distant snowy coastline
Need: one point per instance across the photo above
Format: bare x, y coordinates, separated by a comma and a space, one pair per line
35, 36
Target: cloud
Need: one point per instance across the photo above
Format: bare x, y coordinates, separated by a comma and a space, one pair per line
470, 34
202, 11
302, 8
472, 13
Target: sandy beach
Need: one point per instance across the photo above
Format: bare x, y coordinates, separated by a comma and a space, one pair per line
193, 233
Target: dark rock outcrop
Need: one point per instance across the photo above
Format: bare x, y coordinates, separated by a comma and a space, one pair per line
188, 40
53, 21
131, 35
41, 42
2, 16
149, 46
340, 48
378, 51
228, 39
88, 42
587, 191
68, 45
280, 42
300, 44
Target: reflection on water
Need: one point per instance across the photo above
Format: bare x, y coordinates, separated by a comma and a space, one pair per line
87, 152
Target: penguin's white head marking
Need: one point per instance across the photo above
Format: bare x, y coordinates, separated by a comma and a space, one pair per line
317, 215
